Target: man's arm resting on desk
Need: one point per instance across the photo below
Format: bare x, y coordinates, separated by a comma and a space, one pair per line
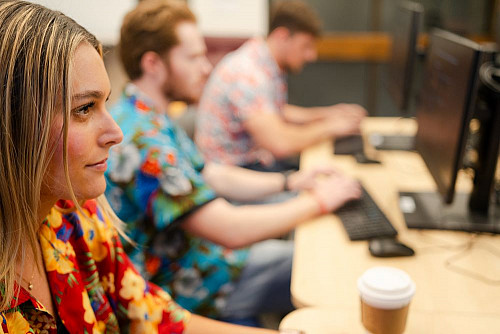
284, 139
235, 227
240, 184
303, 115
239, 226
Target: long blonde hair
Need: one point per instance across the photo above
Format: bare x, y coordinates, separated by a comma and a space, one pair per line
37, 46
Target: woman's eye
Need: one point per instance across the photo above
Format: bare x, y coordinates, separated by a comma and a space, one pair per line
84, 110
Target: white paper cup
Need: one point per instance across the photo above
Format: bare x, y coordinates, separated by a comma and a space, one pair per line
385, 294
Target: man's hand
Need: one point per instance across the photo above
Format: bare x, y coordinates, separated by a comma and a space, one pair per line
345, 119
334, 191
306, 179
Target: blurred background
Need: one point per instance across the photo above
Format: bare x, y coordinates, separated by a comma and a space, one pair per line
353, 51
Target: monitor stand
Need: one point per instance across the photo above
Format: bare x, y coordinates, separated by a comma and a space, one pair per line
425, 210
392, 142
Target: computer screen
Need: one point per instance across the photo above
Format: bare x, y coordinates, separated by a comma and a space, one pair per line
406, 27
445, 106
447, 102
402, 80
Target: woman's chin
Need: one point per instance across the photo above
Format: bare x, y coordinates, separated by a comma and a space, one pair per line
91, 191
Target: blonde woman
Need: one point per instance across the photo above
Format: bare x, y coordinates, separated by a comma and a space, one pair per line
62, 266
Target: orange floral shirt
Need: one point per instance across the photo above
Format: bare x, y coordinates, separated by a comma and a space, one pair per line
94, 286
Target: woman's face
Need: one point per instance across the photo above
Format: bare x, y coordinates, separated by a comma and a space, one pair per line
91, 132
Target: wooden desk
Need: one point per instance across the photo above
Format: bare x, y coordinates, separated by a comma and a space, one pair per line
329, 320
327, 264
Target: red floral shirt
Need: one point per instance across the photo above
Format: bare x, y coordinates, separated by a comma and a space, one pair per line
94, 286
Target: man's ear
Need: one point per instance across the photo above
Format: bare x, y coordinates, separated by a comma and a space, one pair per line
281, 33
151, 63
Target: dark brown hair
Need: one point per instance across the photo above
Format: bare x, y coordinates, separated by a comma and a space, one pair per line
296, 16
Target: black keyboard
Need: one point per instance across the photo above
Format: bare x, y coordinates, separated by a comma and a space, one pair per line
349, 145
393, 142
363, 219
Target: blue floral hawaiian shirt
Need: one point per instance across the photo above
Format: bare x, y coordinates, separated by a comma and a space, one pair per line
154, 180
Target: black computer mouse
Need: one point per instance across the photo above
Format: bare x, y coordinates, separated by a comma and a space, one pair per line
361, 158
389, 247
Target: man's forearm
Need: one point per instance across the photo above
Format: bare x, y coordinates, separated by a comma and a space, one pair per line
240, 226
240, 184
303, 115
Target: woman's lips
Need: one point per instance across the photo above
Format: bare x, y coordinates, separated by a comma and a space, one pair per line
99, 166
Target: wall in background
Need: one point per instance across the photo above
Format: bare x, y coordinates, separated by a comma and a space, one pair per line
234, 18
102, 18
328, 82
322, 83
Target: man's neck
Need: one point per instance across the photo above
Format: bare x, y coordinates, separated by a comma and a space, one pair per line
155, 93
275, 51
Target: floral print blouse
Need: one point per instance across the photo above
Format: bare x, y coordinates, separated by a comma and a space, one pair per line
94, 286
154, 181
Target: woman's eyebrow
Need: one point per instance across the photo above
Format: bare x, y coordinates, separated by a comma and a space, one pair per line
96, 94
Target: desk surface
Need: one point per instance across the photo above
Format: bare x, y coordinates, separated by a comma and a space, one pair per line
329, 320
456, 273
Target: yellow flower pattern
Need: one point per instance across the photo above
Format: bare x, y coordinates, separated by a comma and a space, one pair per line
54, 218
89, 316
56, 253
108, 283
16, 323
133, 285
94, 234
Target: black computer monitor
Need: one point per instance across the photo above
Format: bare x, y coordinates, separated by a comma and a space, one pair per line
406, 27
401, 80
452, 94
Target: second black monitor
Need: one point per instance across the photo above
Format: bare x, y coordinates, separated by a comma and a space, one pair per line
406, 27
401, 79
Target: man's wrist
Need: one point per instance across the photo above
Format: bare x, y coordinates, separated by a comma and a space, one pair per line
286, 175
323, 208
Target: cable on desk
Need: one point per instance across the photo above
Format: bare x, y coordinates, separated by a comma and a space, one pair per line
443, 244
449, 263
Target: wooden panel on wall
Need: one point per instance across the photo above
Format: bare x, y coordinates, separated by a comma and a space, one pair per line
355, 47
368, 46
